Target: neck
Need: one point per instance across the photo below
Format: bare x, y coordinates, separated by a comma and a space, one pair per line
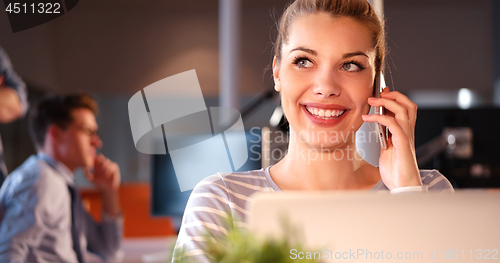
335, 168
50, 151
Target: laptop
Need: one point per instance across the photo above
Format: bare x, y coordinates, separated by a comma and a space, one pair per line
380, 227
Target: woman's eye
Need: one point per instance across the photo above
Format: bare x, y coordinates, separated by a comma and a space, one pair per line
303, 63
351, 67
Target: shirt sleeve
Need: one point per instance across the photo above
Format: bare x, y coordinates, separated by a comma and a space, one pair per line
436, 182
13, 80
432, 181
206, 216
409, 189
104, 238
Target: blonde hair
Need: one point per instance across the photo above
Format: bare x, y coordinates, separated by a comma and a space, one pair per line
359, 10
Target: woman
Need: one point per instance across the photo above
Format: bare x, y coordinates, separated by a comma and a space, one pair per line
327, 55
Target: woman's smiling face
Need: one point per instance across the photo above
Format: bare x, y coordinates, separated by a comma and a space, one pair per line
325, 76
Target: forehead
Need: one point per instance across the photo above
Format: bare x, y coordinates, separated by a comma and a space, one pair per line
323, 32
84, 117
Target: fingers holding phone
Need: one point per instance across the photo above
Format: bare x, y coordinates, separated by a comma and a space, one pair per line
391, 105
397, 163
398, 109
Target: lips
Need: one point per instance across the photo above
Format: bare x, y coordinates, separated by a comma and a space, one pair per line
325, 114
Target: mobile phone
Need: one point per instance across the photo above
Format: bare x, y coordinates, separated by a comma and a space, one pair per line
379, 85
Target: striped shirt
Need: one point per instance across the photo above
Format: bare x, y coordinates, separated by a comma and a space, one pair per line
221, 194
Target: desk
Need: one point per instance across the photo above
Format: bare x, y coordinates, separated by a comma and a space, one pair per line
142, 250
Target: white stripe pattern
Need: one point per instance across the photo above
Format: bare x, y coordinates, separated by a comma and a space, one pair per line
206, 225
247, 176
229, 191
206, 209
249, 186
225, 201
439, 179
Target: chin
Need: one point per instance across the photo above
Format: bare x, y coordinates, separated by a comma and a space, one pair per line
89, 163
329, 136
328, 145
330, 139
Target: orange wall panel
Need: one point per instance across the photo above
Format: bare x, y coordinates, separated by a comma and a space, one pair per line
135, 201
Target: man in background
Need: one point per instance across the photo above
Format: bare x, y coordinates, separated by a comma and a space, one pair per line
43, 218
13, 101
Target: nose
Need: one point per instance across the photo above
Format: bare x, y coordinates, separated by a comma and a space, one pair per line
326, 84
96, 141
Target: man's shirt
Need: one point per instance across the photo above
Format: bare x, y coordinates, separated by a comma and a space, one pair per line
35, 217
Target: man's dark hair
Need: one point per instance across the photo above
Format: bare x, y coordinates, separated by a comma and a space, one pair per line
56, 109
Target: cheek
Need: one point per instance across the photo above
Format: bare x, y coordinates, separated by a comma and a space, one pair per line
289, 100
84, 144
80, 145
360, 97
361, 94
288, 96
293, 85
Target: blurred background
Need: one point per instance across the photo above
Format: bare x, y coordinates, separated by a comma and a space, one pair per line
443, 54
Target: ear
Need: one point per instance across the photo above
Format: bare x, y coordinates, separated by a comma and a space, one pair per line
276, 75
54, 134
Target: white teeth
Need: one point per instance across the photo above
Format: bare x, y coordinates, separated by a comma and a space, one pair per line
322, 113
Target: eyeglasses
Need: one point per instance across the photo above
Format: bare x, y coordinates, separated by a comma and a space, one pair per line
90, 132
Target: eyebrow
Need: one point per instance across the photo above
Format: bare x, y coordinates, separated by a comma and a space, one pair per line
307, 50
353, 54
312, 52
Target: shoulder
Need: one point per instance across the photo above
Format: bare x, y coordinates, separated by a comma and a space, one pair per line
241, 182
226, 192
234, 187
435, 181
212, 201
33, 178
34, 171
26, 175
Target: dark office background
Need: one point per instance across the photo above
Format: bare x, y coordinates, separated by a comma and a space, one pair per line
114, 48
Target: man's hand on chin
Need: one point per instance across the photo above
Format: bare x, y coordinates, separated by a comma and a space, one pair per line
105, 174
106, 177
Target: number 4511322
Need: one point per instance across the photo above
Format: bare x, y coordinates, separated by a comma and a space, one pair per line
478, 254
34, 8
